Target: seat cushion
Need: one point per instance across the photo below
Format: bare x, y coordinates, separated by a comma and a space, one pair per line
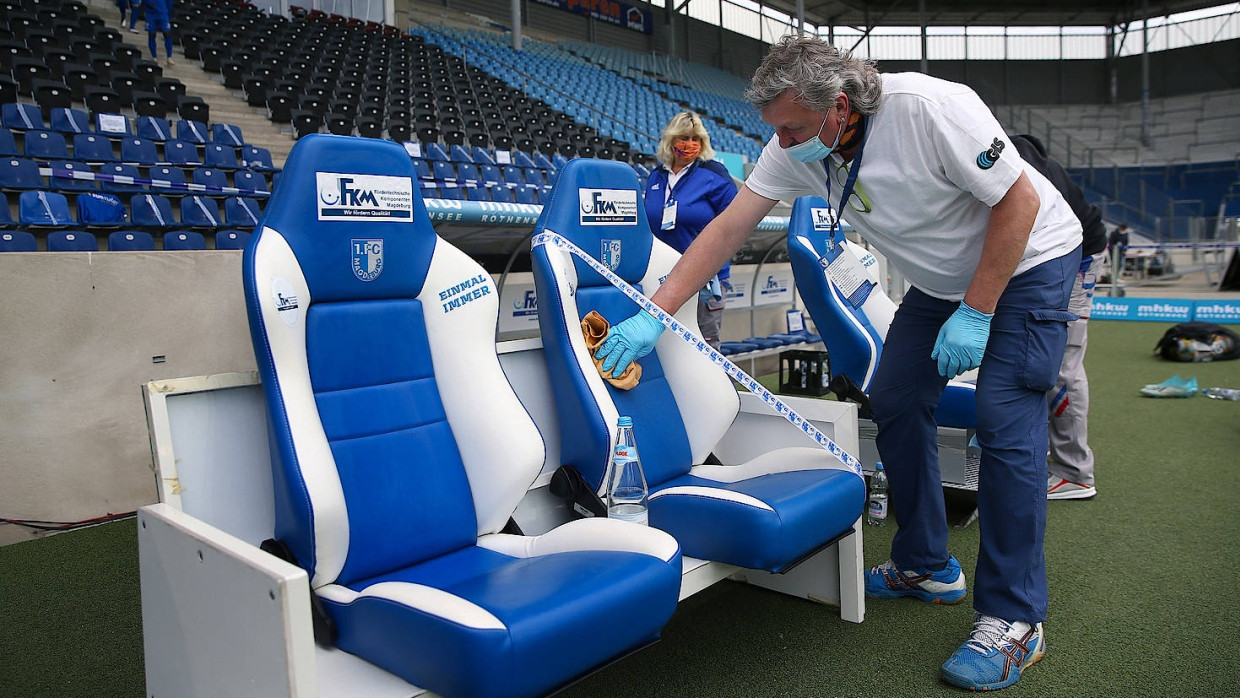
771, 515
481, 623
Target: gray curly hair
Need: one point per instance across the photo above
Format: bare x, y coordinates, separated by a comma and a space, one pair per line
817, 72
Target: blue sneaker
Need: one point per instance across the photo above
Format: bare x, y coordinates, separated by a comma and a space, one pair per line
944, 586
994, 655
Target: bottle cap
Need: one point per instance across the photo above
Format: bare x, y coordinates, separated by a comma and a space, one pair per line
878, 465
624, 421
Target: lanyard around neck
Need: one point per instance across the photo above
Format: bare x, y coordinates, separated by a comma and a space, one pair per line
851, 181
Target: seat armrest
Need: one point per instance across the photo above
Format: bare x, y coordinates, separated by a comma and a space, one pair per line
758, 429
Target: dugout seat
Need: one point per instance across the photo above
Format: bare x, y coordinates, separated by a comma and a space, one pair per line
853, 322
400, 450
768, 513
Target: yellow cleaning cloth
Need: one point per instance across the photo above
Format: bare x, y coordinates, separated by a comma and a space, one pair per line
595, 327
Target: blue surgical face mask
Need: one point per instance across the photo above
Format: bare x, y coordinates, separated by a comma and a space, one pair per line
814, 150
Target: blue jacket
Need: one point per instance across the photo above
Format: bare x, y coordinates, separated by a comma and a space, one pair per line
700, 195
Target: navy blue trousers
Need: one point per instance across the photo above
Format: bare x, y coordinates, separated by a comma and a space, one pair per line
1026, 345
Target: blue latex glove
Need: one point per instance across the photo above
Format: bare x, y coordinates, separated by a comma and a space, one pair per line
962, 341
711, 291
628, 341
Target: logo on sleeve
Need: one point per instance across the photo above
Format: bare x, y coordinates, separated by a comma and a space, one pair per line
988, 158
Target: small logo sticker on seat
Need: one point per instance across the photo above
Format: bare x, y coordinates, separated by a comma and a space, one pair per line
367, 258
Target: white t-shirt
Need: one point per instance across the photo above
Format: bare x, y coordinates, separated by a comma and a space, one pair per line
923, 194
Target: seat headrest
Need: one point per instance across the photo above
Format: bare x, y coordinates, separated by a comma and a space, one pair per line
359, 230
597, 205
812, 219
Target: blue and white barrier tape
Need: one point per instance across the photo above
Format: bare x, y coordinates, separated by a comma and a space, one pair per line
143, 181
670, 322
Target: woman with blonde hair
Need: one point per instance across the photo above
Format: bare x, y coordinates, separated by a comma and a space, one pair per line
684, 193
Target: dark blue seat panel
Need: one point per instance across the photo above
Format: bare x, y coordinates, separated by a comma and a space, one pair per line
763, 522
511, 639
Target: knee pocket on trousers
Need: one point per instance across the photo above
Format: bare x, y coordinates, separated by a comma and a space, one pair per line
1046, 335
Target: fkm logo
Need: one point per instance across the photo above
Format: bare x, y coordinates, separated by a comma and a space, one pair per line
824, 218
771, 282
526, 305
601, 205
355, 197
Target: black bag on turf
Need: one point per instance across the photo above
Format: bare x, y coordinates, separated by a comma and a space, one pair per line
1198, 341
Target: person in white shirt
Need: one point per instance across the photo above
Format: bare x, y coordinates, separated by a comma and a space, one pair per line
924, 173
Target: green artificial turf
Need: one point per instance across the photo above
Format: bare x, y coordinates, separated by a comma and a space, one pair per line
1140, 605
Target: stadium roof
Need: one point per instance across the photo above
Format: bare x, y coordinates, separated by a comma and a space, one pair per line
862, 14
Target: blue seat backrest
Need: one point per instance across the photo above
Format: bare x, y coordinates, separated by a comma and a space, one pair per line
243, 211
468, 172
152, 210
65, 181
39, 207
113, 125
491, 173
231, 239
256, 158
130, 240
502, 195
179, 152
353, 263
192, 131
434, 151
210, 177
71, 241
20, 116
121, 169
184, 240
46, 145
444, 171
220, 155
17, 241
8, 144
853, 341
482, 157
166, 173
227, 134
250, 181
513, 174
68, 120
520, 159
200, 211
597, 205
458, 153
20, 173
90, 147
154, 128
138, 150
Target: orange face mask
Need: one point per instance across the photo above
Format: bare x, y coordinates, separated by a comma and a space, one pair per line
687, 149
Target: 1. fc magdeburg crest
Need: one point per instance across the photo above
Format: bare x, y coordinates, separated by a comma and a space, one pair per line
367, 258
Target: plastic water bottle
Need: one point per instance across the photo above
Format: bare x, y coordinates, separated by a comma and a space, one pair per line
627, 494
876, 512
1222, 393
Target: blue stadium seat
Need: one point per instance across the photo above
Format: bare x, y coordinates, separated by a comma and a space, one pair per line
513, 175
477, 194
152, 211
419, 432
458, 153
854, 333
181, 153
492, 176
210, 177
444, 171
220, 155
138, 150
184, 240
46, 145
482, 157
18, 174
468, 172
534, 176
130, 241
256, 158
250, 180
541, 160
91, 147
69, 120
200, 212
192, 131
66, 181
121, 169
768, 513
8, 144
154, 128
43, 208
166, 173
71, 241
526, 194
231, 239
19, 116
112, 125
501, 195
98, 209
17, 241
434, 151
422, 169
242, 211
451, 192
227, 135
521, 159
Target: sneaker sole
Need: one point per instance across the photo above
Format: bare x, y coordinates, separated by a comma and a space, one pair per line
985, 687
1074, 494
950, 598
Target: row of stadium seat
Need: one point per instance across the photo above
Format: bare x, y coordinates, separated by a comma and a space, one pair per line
19, 174
45, 146
122, 241
41, 209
